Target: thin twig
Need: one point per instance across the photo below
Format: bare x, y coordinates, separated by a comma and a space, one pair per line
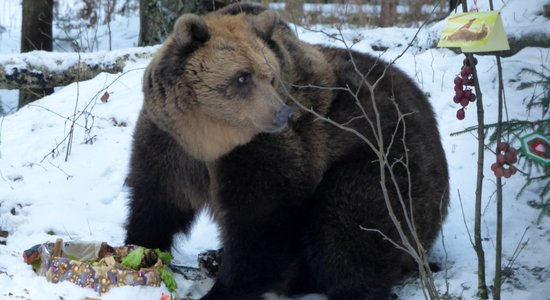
498, 250
478, 242
482, 285
520, 246
86, 112
464, 220
71, 130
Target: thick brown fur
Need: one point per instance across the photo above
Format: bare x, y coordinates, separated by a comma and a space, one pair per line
290, 193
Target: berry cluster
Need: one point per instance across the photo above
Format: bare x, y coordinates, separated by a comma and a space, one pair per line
506, 158
464, 95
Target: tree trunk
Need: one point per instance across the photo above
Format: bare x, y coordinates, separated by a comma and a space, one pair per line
415, 9
294, 11
388, 13
157, 17
36, 34
453, 4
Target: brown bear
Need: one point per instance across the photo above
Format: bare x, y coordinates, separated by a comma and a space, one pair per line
227, 125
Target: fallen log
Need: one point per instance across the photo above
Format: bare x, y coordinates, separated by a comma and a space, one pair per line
41, 69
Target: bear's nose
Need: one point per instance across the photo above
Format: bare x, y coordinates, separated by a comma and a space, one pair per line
283, 115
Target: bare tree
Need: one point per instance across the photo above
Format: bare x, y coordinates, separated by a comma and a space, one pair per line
294, 11
388, 12
36, 34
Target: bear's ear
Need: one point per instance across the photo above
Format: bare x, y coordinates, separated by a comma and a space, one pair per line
264, 24
191, 28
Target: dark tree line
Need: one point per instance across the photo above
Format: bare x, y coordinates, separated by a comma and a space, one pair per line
157, 19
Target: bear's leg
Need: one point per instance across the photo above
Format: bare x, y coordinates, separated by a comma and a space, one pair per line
347, 261
259, 257
261, 205
162, 180
152, 223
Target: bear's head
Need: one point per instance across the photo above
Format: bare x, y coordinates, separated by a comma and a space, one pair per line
213, 84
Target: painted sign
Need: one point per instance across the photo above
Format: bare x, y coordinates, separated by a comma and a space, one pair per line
475, 32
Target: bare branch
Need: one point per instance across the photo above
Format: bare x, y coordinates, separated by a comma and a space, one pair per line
464, 219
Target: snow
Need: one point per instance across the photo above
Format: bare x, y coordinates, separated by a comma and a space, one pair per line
52, 62
46, 195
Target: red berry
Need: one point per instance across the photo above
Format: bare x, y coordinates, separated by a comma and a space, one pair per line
460, 114
507, 173
501, 159
456, 99
458, 81
459, 93
499, 172
472, 97
502, 146
494, 166
470, 82
466, 71
464, 101
511, 157
466, 94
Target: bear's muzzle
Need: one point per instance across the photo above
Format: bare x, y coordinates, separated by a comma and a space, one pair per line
281, 118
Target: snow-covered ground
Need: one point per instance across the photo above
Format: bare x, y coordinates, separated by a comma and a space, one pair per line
46, 194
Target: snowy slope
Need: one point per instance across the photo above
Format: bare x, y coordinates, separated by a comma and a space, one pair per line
44, 196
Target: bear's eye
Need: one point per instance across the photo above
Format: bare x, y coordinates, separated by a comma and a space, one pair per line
243, 78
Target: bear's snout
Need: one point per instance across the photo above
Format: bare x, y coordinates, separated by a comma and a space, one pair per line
282, 117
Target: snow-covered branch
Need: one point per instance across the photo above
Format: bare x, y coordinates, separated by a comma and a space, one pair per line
41, 69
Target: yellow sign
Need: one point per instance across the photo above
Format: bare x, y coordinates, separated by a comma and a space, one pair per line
475, 32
